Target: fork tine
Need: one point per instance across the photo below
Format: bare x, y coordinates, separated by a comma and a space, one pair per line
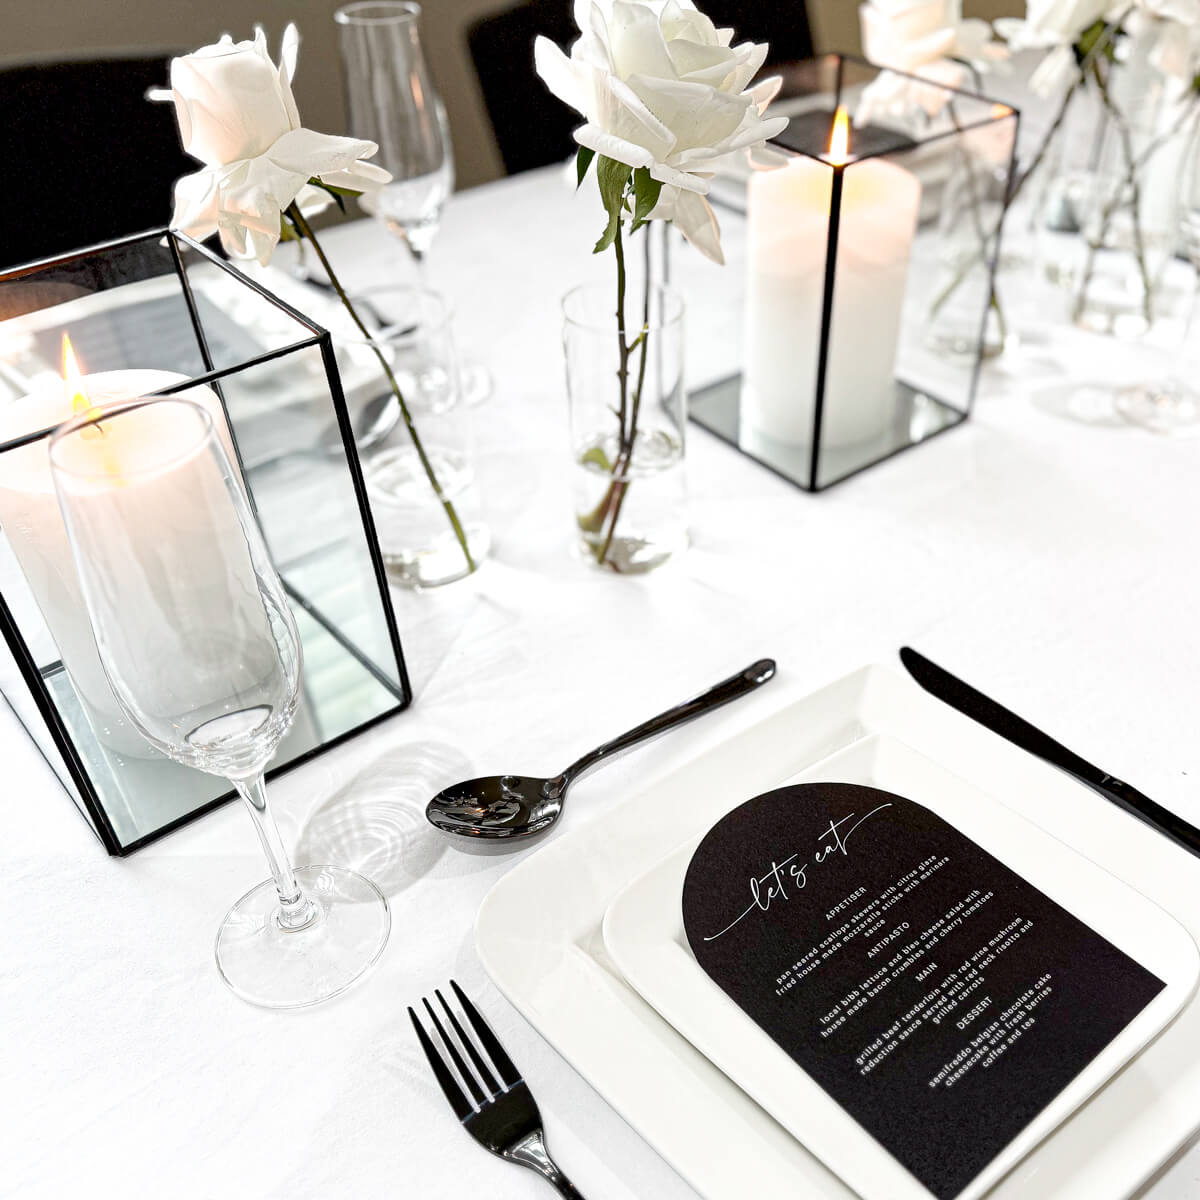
491, 1043
463, 1069
485, 1073
453, 1093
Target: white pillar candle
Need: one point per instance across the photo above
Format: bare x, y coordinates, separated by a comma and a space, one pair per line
788, 224
32, 523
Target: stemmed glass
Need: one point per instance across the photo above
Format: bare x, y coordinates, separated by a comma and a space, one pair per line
200, 647
391, 100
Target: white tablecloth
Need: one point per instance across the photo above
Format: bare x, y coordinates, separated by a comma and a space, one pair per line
1051, 563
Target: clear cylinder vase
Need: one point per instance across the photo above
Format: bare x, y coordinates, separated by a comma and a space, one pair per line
417, 460
628, 413
1109, 223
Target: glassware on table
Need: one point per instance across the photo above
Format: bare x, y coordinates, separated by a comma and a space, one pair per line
202, 652
1171, 404
418, 541
1110, 200
627, 443
392, 100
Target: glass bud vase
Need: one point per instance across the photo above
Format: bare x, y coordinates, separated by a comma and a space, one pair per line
419, 470
1110, 206
628, 412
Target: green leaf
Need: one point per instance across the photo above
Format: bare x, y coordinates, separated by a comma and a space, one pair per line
613, 178
339, 194
610, 233
583, 160
1089, 39
595, 454
333, 189
645, 194
286, 232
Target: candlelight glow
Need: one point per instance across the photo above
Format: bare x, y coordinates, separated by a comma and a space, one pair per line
73, 377
81, 402
839, 137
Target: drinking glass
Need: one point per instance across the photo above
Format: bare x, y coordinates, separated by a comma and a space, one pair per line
201, 650
391, 99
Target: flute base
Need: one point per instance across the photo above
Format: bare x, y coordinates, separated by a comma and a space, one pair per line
1168, 408
274, 967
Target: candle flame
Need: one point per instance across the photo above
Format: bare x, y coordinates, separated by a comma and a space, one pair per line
839, 138
81, 402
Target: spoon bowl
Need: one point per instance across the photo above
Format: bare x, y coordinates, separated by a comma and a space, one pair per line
503, 812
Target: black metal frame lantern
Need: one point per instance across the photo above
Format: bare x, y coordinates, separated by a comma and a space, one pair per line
170, 317
870, 273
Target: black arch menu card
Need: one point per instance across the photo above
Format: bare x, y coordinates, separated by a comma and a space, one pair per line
936, 995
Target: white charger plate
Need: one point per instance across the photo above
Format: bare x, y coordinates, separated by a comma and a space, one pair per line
539, 937
643, 931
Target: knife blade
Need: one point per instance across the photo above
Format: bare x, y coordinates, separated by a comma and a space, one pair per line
974, 704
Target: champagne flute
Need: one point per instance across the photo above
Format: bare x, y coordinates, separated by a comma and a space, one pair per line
202, 652
391, 99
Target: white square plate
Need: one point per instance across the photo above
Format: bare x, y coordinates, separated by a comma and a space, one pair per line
539, 937
644, 933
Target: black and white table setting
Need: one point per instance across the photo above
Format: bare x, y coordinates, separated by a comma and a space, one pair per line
823, 932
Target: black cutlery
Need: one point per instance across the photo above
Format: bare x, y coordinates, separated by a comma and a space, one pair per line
501, 1117
974, 704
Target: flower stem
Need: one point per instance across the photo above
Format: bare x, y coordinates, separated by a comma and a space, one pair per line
1036, 161
1128, 181
303, 228
620, 487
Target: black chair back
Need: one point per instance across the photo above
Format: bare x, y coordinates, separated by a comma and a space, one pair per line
90, 157
532, 127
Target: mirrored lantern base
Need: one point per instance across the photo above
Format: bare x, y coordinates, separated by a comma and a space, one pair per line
915, 417
272, 966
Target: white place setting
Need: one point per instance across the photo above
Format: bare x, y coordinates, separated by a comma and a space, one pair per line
702, 629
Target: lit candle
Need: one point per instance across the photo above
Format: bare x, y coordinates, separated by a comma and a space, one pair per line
788, 233
32, 523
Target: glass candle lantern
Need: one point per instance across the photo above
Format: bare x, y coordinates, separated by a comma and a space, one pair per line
158, 314
853, 274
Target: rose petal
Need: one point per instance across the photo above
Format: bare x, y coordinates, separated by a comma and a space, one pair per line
680, 179
620, 111
761, 94
636, 42
559, 74
310, 153
196, 204
612, 147
695, 219
696, 114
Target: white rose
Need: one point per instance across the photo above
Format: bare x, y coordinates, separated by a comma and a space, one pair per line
237, 115
1050, 23
908, 35
927, 38
663, 89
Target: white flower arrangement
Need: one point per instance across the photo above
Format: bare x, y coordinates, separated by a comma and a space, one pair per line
237, 115
264, 173
928, 39
665, 94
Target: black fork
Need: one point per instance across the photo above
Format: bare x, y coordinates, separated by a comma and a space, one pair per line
503, 1116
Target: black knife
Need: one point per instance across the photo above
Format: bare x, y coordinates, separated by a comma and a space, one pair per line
1008, 725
